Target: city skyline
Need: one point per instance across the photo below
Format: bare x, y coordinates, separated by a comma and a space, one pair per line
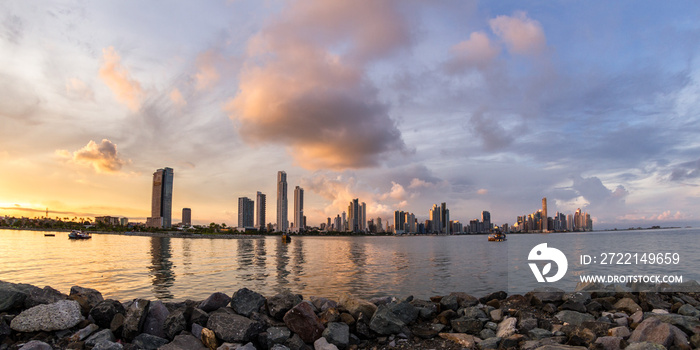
487, 106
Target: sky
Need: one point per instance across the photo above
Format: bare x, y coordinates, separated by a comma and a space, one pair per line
404, 104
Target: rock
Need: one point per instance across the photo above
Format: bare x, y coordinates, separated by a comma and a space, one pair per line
656, 331
107, 345
279, 347
295, 343
323, 344
573, 305
445, 316
500, 295
330, 315
688, 310
526, 324
52, 317
653, 301
155, 319
385, 322
134, 319
487, 333
622, 332
549, 294
214, 302
512, 342
117, 325
323, 304
573, 317
302, 320
208, 338
611, 343
689, 325
196, 330
184, 342
490, 343
104, 312
637, 317
561, 347
579, 335
46, 295
467, 325
627, 305
84, 332
280, 304
199, 317
496, 315
645, 346
149, 342
507, 327
277, 335
539, 333
87, 297
449, 302
695, 340
426, 309
473, 312
36, 345
338, 334
347, 319
406, 312
355, 306
11, 297
174, 324
233, 328
246, 301
427, 331
465, 340
102, 335
465, 300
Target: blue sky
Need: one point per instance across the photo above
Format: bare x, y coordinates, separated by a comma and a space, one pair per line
483, 105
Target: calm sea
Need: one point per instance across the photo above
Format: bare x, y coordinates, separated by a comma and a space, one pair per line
127, 267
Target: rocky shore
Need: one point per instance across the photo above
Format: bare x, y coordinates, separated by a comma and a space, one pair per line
593, 317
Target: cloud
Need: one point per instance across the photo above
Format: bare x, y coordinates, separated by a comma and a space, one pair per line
487, 128
177, 99
305, 84
476, 52
482, 191
103, 157
686, 171
126, 89
522, 35
207, 74
397, 192
76, 88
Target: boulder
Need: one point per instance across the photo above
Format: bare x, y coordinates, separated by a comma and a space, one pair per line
11, 296
627, 305
147, 341
277, 335
184, 342
246, 301
104, 312
51, 317
322, 304
155, 319
107, 345
279, 304
428, 330
385, 322
622, 332
175, 323
100, 336
302, 320
688, 310
84, 332
295, 343
689, 325
233, 328
449, 302
46, 295
330, 315
215, 302
338, 334
406, 312
610, 343
655, 331
490, 343
199, 317
135, 318
539, 333
355, 306
573, 317
473, 312
467, 325
36, 345
645, 346
507, 327
87, 297
279, 347
549, 294
465, 340
323, 344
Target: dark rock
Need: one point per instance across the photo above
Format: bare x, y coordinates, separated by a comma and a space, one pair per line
426, 309
385, 322
573, 317
549, 308
465, 300
689, 325
427, 330
57, 316
117, 325
355, 306
695, 340
46, 295
645, 346
501, 295
487, 333
622, 332
87, 297
653, 301
549, 294
214, 302
573, 305
5, 329
627, 305
512, 342
526, 324
10, 297
447, 315
323, 304
688, 310
347, 319
155, 319
295, 343
149, 342
196, 330
579, 336
135, 318
104, 334
518, 301
36, 345
246, 301
467, 325
473, 312
174, 324
302, 320
406, 312
496, 304
233, 328
338, 334
199, 317
280, 304
184, 342
490, 343
277, 335
593, 307
363, 330
330, 315
539, 333
107, 345
611, 343
104, 312
84, 332
656, 331
599, 328
449, 302
266, 320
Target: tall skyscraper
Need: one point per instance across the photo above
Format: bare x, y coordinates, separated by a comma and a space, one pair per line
186, 217
436, 219
245, 212
282, 218
486, 219
544, 215
299, 208
354, 215
444, 218
363, 217
260, 200
161, 199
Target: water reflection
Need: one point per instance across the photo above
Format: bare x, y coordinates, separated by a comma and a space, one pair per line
161, 269
358, 257
282, 259
298, 261
245, 259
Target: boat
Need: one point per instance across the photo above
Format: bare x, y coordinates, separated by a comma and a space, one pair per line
76, 234
497, 237
49, 235
286, 238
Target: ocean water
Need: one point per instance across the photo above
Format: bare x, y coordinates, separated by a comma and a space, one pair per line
127, 267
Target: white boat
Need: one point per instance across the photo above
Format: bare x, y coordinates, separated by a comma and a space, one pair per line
76, 234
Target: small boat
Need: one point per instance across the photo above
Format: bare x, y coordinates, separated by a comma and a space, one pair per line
49, 235
497, 237
286, 238
76, 234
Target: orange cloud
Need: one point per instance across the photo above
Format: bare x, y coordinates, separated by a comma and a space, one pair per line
522, 35
126, 89
77, 88
176, 97
103, 157
477, 51
207, 74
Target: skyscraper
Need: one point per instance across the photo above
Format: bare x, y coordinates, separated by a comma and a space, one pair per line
161, 199
260, 200
544, 215
299, 208
435, 219
282, 218
363, 217
245, 212
486, 219
354, 215
186, 217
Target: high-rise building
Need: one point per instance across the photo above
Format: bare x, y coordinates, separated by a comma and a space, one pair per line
260, 202
545, 228
486, 219
299, 208
399, 222
161, 199
444, 218
186, 217
363, 217
282, 218
246, 209
436, 219
354, 215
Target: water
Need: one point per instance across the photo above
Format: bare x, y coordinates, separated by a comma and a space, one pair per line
127, 267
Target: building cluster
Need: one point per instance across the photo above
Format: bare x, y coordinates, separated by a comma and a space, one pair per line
252, 214
438, 223
354, 220
539, 221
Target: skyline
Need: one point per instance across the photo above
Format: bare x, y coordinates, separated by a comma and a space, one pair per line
485, 106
